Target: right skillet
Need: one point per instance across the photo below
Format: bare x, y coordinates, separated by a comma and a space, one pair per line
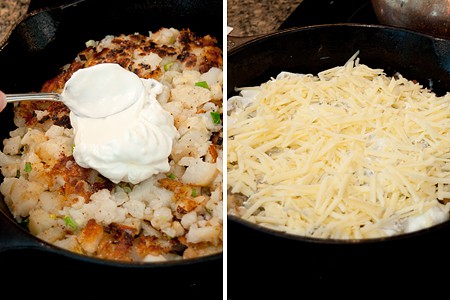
289, 264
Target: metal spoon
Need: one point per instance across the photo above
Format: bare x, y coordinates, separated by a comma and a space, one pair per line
33, 97
10, 98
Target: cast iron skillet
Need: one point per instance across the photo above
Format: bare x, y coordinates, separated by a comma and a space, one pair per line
37, 48
315, 261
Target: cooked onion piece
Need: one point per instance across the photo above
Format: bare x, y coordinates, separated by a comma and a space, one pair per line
348, 153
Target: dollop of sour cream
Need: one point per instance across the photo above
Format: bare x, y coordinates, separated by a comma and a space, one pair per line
120, 128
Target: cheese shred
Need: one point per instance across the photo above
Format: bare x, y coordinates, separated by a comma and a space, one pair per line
347, 154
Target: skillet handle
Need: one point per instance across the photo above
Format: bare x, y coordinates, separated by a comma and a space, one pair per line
12, 237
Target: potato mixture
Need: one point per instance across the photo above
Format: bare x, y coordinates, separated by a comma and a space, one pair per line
174, 215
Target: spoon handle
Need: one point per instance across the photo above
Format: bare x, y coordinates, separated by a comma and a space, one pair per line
33, 97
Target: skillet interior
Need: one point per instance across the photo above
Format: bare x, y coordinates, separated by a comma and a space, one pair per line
45, 41
310, 50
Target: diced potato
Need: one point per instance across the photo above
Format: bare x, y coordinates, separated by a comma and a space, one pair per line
22, 195
51, 201
90, 236
12, 146
40, 220
199, 173
191, 96
199, 234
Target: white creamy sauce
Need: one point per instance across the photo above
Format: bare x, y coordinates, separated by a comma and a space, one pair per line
120, 128
102, 90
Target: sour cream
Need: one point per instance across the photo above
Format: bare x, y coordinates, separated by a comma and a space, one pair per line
121, 130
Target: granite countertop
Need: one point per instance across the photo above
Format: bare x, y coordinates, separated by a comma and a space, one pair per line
11, 11
252, 17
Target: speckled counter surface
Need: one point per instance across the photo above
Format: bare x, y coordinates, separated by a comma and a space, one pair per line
11, 11
250, 17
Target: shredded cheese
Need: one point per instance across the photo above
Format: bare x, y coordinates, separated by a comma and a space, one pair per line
349, 153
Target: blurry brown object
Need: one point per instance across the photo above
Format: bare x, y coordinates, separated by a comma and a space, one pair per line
426, 16
11, 12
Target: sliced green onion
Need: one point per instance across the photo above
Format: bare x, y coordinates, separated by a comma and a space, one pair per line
70, 222
194, 192
171, 176
215, 115
126, 189
202, 84
25, 222
167, 66
28, 167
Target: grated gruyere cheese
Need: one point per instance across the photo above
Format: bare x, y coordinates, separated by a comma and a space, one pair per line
349, 153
